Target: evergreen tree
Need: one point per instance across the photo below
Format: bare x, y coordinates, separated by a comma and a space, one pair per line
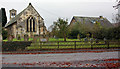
4, 18
0, 21
61, 25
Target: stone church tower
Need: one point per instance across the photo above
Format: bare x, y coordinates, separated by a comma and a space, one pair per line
27, 22
13, 13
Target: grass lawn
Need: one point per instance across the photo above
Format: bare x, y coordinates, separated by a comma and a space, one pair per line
50, 39
61, 39
22, 39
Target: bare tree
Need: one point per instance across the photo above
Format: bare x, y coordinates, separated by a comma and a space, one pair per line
116, 18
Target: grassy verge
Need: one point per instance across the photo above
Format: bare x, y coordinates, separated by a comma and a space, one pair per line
22, 39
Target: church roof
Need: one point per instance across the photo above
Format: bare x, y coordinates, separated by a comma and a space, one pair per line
89, 21
13, 20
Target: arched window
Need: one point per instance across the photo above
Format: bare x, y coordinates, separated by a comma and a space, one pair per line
27, 24
33, 25
30, 25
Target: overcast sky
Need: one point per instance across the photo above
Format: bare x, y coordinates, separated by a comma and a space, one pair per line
51, 10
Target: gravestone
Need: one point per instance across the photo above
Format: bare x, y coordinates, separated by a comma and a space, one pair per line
78, 36
96, 40
35, 38
10, 37
105, 40
47, 37
91, 40
85, 39
44, 39
18, 37
32, 36
0, 37
26, 37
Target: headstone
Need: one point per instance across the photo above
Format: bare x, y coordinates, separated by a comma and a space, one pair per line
78, 36
55, 37
85, 40
47, 37
0, 38
43, 40
26, 37
18, 37
96, 40
10, 38
35, 38
105, 40
91, 40
87, 35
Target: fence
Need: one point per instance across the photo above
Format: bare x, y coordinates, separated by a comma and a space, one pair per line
76, 44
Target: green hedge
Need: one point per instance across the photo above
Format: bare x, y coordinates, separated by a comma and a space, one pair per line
15, 46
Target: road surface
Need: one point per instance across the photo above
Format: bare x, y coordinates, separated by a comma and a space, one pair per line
44, 59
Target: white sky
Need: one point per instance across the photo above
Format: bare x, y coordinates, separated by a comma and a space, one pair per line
51, 10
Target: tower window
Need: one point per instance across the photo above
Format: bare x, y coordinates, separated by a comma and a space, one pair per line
13, 14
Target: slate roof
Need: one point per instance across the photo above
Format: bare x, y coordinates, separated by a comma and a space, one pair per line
13, 20
90, 21
116, 24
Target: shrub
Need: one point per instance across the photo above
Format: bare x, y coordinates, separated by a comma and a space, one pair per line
16, 45
74, 33
18, 37
4, 34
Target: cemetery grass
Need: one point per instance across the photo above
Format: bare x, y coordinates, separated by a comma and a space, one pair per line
22, 39
50, 39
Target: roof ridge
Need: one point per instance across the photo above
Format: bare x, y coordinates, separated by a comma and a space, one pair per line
15, 17
87, 16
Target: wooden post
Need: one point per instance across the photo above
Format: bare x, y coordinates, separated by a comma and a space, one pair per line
40, 45
58, 44
91, 46
75, 44
118, 44
108, 45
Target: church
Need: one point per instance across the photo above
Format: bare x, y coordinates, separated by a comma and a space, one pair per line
27, 22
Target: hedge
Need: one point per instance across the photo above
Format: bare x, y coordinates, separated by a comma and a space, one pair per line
15, 46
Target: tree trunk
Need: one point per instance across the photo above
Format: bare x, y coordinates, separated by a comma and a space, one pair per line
64, 37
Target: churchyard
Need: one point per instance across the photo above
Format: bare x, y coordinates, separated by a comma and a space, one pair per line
85, 42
